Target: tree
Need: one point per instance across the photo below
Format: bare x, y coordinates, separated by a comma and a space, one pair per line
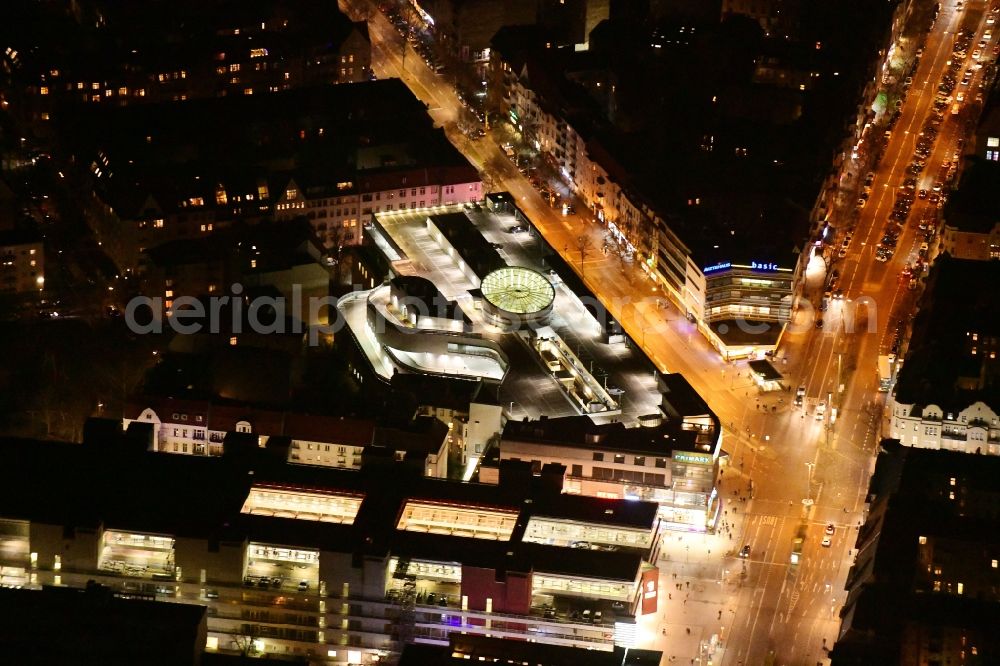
584, 245
621, 251
245, 639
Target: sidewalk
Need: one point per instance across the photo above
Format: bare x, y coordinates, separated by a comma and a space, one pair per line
699, 580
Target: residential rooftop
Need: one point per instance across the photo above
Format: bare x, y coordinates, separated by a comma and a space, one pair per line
951, 361
973, 207
117, 484
581, 432
61, 625
926, 557
465, 648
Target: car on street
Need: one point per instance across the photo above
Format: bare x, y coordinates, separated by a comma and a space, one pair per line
830, 529
516, 229
820, 410
496, 246
861, 202
922, 194
826, 542
800, 394
745, 551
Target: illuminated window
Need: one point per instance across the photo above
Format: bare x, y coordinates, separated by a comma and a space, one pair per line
291, 194
461, 520
993, 141
158, 223
232, 341
44, 90
922, 540
994, 564
169, 293
234, 67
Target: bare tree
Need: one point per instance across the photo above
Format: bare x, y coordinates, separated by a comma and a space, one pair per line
245, 639
621, 251
584, 245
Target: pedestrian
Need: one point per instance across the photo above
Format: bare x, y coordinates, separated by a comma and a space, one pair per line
670, 597
688, 630
687, 583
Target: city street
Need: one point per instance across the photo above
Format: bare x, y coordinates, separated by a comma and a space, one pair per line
805, 471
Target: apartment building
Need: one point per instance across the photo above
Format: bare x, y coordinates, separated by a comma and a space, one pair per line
22, 262
180, 51
334, 565
335, 155
945, 395
712, 260
924, 585
199, 428
775, 17
970, 226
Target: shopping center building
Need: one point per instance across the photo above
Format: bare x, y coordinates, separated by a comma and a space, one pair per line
672, 459
478, 295
341, 566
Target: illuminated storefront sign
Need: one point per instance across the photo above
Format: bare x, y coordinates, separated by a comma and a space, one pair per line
753, 265
696, 458
649, 581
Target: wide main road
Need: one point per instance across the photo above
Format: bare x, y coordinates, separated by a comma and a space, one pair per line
793, 611
790, 455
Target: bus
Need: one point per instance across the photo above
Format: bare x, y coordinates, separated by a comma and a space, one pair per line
797, 544
885, 367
